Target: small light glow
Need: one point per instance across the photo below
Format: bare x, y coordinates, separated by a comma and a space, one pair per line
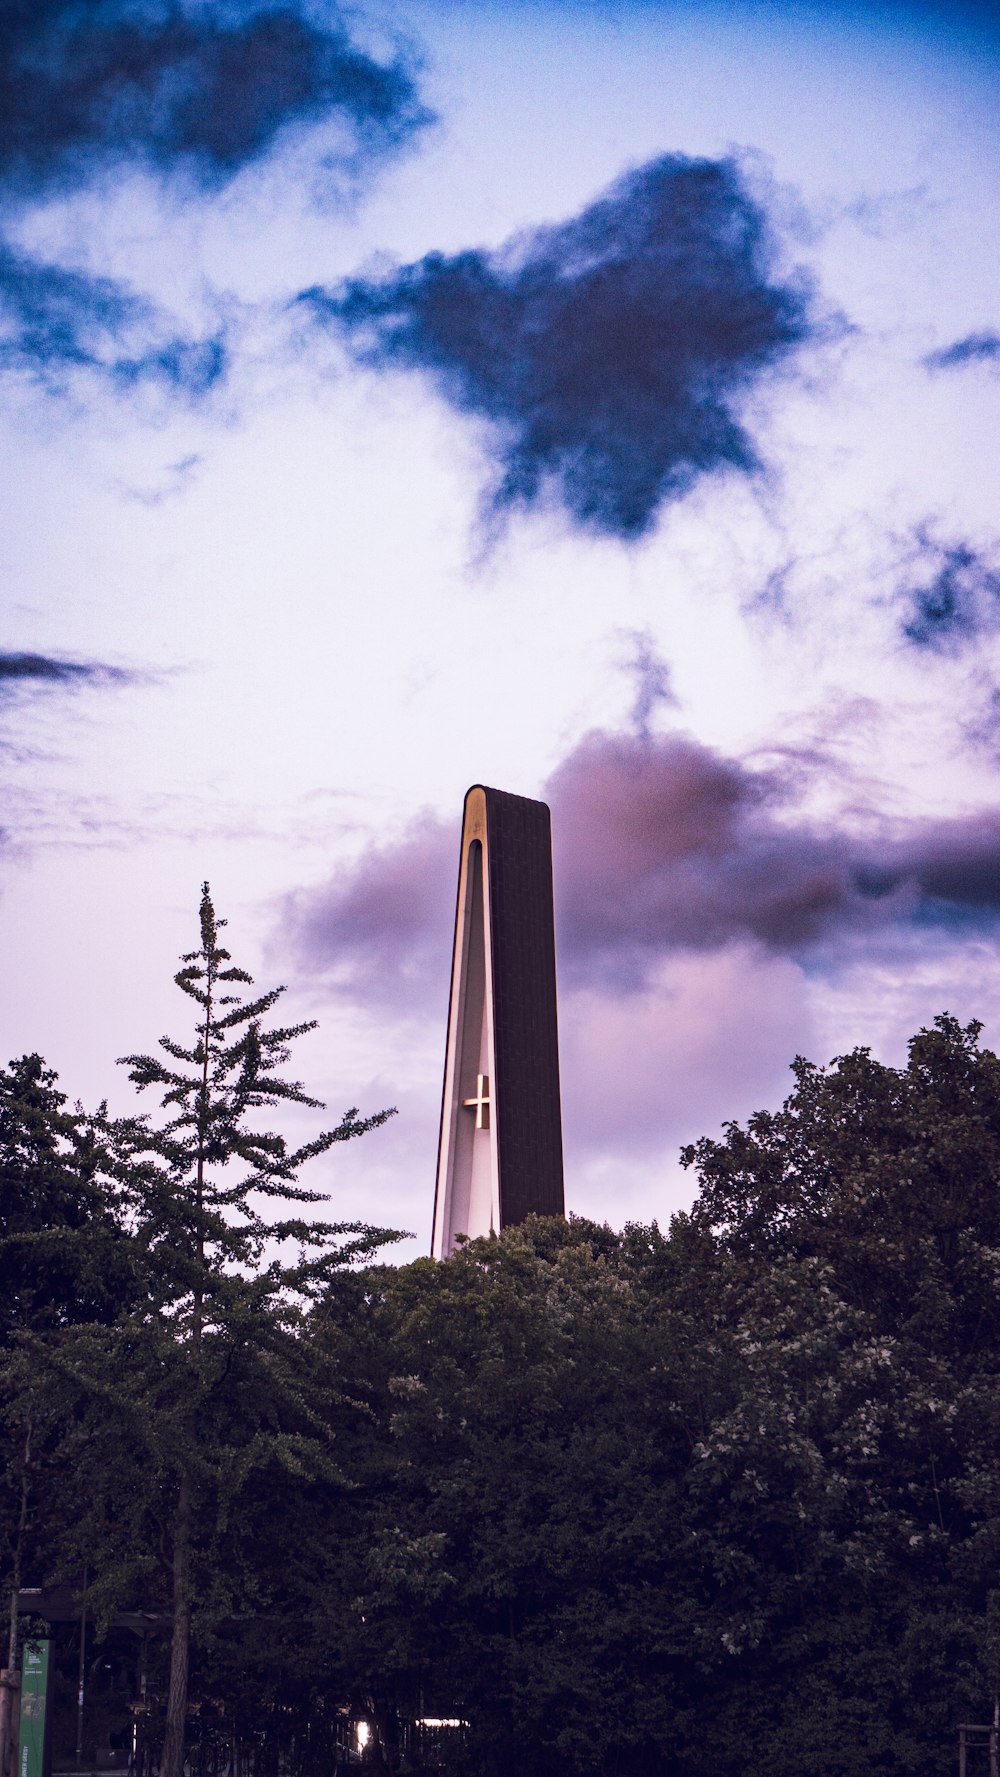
441, 1721
363, 1733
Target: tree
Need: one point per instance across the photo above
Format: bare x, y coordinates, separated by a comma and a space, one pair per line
712, 1502
63, 1261
887, 1174
61, 1243
881, 1184
206, 1382
716, 1501
512, 1561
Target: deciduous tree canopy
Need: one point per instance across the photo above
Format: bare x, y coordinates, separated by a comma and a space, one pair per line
710, 1501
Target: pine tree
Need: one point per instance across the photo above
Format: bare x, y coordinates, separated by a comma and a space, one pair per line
211, 1377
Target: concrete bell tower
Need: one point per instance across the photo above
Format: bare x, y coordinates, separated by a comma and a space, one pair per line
500, 1150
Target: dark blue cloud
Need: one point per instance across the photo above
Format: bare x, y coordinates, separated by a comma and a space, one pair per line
54, 321
974, 348
25, 670
612, 353
188, 366
206, 89
202, 89
951, 592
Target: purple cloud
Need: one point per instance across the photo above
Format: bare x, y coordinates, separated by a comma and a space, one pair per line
662, 847
382, 931
667, 845
651, 679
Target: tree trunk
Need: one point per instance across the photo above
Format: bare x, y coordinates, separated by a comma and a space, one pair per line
172, 1759
22, 1524
10, 1682
10, 1693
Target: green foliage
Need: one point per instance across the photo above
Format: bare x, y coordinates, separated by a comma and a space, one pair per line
62, 1256
193, 1181
205, 1378
64, 1263
196, 1398
720, 1501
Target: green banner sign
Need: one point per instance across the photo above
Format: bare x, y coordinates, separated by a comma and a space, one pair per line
34, 1701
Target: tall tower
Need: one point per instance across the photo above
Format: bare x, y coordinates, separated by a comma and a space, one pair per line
500, 1151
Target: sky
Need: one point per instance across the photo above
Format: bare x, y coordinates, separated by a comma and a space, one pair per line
598, 399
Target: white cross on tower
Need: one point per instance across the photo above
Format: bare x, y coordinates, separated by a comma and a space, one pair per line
481, 1102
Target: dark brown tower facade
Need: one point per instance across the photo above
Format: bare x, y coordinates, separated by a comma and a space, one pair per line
500, 1152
